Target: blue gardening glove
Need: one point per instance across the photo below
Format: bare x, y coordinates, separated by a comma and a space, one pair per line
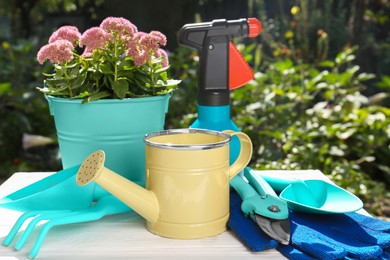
315, 236
245, 228
335, 236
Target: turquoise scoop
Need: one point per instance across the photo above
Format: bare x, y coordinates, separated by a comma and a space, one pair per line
314, 195
58, 191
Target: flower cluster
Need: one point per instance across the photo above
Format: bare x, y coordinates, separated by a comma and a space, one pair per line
59, 51
116, 61
93, 39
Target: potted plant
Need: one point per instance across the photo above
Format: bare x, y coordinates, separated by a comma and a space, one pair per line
108, 88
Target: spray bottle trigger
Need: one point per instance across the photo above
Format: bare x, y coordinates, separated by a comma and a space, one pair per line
239, 71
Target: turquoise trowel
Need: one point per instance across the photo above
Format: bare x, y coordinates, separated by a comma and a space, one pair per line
312, 195
58, 191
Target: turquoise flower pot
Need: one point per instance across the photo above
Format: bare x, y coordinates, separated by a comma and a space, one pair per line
116, 126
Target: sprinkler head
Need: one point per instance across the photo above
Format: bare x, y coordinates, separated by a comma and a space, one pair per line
91, 168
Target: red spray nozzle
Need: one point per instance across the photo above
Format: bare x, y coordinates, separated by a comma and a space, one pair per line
255, 27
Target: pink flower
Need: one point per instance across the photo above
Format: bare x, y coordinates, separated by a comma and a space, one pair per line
164, 56
118, 25
59, 51
67, 32
152, 40
132, 45
87, 53
94, 38
131, 48
137, 36
145, 45
139, 60
159, 37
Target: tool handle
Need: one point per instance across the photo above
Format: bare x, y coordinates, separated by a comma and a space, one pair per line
243, 188
255, 203
256, 180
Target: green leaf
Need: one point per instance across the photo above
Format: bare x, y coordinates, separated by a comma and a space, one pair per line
82, 95
55, 83
327, 63
74, 72
344, 78
125, 73
365, 76
275, 134
126, 65
258, 55
171, 82
4, 87
48, 74
79, 81
331, 78
353, 69
59, 74
96, 96
345, 134
106, 68
71, 65
144, 78
120, 87
384, 83
344, 57
284, 65
156, 60
161, 70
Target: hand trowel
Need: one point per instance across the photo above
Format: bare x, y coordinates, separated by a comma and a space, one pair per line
222, 69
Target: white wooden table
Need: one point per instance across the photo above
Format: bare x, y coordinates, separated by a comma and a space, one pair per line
121, 236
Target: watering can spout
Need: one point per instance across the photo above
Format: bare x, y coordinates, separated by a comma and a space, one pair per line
141, 200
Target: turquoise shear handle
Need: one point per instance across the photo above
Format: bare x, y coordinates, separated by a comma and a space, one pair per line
257, 200
261, 186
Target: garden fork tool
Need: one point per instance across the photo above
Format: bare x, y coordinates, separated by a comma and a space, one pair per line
106, 205
222, 69
58, 200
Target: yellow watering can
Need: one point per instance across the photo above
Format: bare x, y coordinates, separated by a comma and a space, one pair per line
187, 181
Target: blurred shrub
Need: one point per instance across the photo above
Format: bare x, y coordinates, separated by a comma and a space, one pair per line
315, 30
302, 116
183, 104
22, 108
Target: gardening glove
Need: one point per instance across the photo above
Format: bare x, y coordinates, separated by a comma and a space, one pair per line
334, 236
330, 236
245, 228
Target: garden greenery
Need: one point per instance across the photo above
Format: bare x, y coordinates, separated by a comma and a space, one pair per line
117, 61
303, 116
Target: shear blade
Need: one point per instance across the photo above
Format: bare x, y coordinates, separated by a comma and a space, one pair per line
278, 229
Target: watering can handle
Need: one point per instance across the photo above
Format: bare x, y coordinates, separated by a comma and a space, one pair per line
245, 153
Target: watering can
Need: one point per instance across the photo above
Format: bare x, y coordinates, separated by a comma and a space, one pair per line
187, 181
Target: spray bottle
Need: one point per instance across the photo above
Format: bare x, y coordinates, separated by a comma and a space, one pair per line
222, 69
